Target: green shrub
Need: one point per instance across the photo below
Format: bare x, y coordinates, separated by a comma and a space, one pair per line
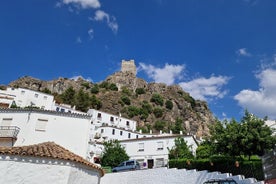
126, 100
113, 87
169, 104
95, 89
158, 112
140, 91
157, 99
159, 125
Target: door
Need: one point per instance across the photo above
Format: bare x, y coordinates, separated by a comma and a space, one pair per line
150, 163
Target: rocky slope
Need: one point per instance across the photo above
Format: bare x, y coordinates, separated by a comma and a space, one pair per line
195, 115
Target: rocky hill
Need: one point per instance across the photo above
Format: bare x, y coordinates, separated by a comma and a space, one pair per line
153, 105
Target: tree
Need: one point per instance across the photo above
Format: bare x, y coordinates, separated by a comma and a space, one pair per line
95, 102
180, 150
82, 101
169, 104
204, 150
159, 125
249, 137
126, 100
257, 136
95, 89
113, 87
68, 96
158, 112
113, 154
177, 126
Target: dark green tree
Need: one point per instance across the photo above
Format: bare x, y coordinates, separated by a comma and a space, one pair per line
180, 150
113, 87
126, 100
169, 104
82, 101
68, 97
95, 89
95, 102
113, 154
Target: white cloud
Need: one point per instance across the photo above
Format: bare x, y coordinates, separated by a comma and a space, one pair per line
91, 33
243, 52
166, 75
110, 20
206, 88
75, 78
263, 101
84, 3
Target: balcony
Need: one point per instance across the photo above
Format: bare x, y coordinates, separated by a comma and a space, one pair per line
9, 132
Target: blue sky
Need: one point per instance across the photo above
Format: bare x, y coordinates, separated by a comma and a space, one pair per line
220, 51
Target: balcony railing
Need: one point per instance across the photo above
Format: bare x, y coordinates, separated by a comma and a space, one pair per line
9, 132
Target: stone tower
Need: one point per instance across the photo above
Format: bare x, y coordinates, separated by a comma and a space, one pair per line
128, 66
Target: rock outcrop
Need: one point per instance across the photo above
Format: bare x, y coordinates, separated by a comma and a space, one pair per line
195, 114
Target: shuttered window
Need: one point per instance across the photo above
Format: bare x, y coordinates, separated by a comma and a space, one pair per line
41, 124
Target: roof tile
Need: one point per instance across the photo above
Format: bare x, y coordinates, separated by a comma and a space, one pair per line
50, 150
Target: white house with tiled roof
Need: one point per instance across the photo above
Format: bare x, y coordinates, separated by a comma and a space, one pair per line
19, 127
46, 163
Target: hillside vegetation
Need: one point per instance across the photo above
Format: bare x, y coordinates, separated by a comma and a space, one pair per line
155, 106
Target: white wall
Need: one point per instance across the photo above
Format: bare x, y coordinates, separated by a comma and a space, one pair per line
68, 130
118, 121
33, 170
25, 97
152, 150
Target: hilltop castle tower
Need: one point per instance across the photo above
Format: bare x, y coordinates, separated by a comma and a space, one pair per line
128, 66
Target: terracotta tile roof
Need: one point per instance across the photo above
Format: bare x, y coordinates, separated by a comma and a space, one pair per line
50, 150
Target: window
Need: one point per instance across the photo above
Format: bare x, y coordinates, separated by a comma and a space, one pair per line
127, 123
41, 124
130, 163
129, 135
112, 119
62, 110
57, 109
42, 107
22, 92
121, 132
137, 137
36, 95
6, 122
141, 147
45, 97
102, 130
113, 131
159, 145
99, 116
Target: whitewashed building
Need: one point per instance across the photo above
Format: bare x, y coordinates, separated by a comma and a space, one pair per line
24, 97
46, 163
20, 127
152, 152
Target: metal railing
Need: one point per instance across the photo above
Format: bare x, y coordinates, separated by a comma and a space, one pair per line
9, 131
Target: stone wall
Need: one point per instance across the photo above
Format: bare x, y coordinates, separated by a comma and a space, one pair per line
128, 66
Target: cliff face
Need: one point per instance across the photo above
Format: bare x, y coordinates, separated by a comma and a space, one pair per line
195, 114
